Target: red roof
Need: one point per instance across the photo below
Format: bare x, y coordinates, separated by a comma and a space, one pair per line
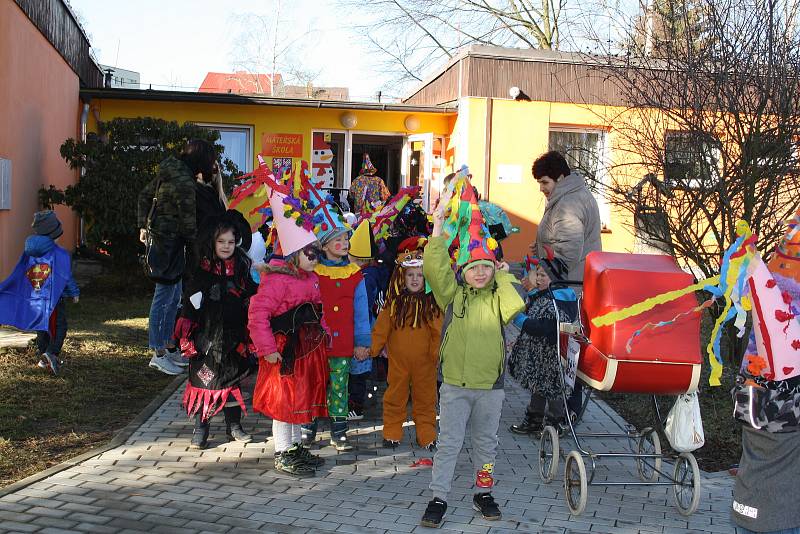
241, 83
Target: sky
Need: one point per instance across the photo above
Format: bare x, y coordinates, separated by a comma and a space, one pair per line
174, 43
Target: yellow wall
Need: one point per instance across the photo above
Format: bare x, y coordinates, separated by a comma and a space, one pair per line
270, 119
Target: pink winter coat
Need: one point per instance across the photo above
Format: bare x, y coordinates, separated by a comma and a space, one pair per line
277, 294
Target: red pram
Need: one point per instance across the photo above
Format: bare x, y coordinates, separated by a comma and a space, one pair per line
664, 361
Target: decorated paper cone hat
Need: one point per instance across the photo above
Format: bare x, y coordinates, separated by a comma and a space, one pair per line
292, 235
329, 222
465, 223
367, 167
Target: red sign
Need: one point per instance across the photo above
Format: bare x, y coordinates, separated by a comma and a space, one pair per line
282, 145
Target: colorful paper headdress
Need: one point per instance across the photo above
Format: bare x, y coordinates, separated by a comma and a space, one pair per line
329, 222
367, 168
384, 219
465, 222
362, 244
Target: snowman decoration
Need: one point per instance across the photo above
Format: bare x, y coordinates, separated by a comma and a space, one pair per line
321, 163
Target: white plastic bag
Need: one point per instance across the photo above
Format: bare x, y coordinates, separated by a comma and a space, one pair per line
684, 428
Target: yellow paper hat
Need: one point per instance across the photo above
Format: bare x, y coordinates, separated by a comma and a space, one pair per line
362, 245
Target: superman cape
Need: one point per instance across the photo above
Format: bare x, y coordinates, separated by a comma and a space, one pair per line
29, 296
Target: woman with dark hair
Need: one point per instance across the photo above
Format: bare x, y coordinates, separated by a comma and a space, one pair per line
212, 329
167, 211
570, 226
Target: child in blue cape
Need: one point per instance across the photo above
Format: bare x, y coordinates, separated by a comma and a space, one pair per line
32, 298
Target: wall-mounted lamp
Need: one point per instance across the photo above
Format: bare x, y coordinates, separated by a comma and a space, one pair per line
517, 94
348, 119
412, 123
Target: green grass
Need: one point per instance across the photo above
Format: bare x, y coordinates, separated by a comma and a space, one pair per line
105, 382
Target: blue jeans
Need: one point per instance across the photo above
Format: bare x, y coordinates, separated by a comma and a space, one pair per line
52, 345
163, 311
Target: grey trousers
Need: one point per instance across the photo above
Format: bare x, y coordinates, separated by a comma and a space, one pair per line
458, 406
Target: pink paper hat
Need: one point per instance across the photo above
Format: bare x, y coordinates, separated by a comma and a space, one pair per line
291, 233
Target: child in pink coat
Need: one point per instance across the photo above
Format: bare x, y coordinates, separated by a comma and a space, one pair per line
285, 322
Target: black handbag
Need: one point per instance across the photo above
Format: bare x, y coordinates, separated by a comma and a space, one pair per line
164, 258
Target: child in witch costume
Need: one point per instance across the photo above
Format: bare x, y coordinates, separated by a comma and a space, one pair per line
534, 360
212, 329
478, 299
291, 342
410, 327
344, 303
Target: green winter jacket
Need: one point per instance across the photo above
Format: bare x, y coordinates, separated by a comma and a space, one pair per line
175, 214
472, 353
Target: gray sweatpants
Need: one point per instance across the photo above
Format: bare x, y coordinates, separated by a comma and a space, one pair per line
458, 406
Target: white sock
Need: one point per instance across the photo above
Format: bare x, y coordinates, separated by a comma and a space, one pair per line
282, 432
297, 434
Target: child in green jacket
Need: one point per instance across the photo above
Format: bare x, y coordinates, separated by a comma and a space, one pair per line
478, 299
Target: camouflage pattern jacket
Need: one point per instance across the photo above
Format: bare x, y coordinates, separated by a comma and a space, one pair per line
175, 214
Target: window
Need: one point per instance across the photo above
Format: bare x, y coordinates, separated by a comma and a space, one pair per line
586, 152
237, 142
691, 160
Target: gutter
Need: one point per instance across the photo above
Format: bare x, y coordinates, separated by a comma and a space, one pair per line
225, 98
84, 129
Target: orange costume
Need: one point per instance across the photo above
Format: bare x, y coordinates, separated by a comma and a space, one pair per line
409, 327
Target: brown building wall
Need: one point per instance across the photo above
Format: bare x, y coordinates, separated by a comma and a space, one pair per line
40, 109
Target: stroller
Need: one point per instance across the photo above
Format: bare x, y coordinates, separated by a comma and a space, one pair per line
664, 362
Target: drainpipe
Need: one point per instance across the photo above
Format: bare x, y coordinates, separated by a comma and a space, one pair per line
84, 121
487, 156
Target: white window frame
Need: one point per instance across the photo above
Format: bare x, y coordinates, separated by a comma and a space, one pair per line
250, 156
694, 183
348, 151
604, 163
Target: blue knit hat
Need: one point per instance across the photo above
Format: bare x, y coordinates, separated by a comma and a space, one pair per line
46, 222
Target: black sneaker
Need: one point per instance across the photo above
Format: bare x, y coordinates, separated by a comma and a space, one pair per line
311, 459
390, 444
484, 503
290, 462
527, 427
434, 514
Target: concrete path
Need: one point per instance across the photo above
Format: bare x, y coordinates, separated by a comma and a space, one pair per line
154, 483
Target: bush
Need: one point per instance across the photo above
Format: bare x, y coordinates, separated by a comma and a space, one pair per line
119, 160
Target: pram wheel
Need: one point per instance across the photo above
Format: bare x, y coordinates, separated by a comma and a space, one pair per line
575, 483
649, 443
548, 454
686, 489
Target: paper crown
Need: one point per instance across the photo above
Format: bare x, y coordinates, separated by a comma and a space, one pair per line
367, 167
362, 244
410, 251
383, 219
466, 224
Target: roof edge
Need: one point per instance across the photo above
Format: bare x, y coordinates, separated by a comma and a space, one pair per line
225, 98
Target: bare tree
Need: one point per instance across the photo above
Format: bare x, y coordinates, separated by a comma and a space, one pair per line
263, 46
710, 132
412, 36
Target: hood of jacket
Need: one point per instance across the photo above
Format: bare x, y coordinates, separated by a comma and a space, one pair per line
38, 245
567, 185
172, 168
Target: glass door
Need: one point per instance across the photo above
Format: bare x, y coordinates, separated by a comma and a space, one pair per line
418, 164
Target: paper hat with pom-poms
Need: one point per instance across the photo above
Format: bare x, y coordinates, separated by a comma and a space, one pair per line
362, 244
464, 222
329, 222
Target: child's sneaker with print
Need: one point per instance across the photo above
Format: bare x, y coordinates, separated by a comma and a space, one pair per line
291, 463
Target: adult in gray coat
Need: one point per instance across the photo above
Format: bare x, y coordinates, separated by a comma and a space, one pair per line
571, 227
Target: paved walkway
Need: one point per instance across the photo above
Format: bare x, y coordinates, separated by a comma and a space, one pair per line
154, 483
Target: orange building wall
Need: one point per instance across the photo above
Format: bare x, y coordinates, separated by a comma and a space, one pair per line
40, 109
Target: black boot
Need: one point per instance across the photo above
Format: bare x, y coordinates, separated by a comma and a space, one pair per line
527, 426
200, 434
339, 434
233, 425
